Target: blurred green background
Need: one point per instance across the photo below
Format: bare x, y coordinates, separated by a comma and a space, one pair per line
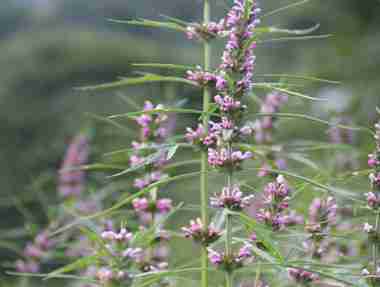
48, 47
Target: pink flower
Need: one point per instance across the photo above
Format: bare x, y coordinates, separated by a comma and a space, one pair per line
231, 198
140, 204
197, 231
104, 275
164, 205
214, 257
301, 276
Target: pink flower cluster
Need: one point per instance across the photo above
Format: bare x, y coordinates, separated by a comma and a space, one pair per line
226, 158
122, 236
264, 127
374, 162
232, 262
148, 179
106, 275
204, 31
231, 198
239, 51
276, 201
237, 57
322, 216
118, 244
301, 276
71, 178
163, 205
34, 253
204, 78
323, 212
152, 123
200, 233
152, 163
339, 135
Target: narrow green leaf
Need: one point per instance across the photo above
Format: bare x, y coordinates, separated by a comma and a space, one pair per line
328, 275
11, 246
302, 159
317, 120
125, 201
123, 82
171, 152
263, 234
175, 20
151, 24
275, 30
79, 264
300, 77
100, 167
166, 66
172, 272
269, 86
284, 8
111, 122
62, 276
132, 115
300, 38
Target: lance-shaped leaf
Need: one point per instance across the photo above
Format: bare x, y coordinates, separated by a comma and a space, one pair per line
152, 24
126, 200
263, 235
79, 264
271, 86
300, 77
147, 78
300, 38
317, 120
163, 110
274, 30
164, 66
284, 8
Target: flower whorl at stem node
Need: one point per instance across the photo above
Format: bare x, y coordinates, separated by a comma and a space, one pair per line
374, 163
231, 198
199, 233
230, 263
301, 276
276, 202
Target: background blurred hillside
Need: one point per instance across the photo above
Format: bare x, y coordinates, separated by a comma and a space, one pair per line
50, 46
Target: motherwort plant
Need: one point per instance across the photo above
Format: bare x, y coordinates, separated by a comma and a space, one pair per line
235, 135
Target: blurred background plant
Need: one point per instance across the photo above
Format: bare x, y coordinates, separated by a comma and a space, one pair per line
49, 47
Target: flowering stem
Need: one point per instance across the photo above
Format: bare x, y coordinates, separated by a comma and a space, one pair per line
204, 162
228, 274
374, 244
228, 252
229, 279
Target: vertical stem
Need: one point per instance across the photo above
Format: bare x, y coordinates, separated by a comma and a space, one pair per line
204, 162
228, 243
229, 274
228, 235
229, 279
374, 244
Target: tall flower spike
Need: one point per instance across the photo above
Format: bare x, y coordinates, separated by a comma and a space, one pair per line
276, 203
71, 177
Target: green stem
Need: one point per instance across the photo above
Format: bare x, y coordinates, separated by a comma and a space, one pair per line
374, 244
228, 242
228, 235
204, 159
229, 279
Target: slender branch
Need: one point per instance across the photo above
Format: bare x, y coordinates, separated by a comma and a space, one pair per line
228, 243
204, 159
374, 244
